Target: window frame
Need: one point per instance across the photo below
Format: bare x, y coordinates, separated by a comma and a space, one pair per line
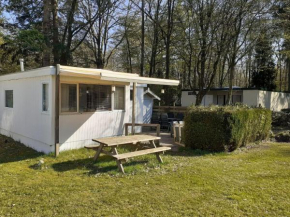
78, 97
97, 84
60, 99
5, 98
48, 97
123, 86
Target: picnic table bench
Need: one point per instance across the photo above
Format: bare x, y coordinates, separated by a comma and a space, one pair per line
114, 142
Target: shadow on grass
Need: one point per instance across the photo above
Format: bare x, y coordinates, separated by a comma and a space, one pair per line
285, 151
12, 151
187, 152
108, 164
103, 165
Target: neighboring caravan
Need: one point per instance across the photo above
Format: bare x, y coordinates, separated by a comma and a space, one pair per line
93, 104
148, 104
274, 101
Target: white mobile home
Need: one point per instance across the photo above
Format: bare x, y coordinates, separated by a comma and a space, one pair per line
272, 100
93, 103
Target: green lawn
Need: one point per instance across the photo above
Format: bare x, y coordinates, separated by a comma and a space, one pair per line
249, 182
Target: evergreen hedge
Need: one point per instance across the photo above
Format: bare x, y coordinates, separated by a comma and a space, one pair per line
225, 128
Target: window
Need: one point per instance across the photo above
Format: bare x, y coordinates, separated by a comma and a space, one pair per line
221, 99
119, 98
9, 98
68, 98
45, 97
94, 98
236, 99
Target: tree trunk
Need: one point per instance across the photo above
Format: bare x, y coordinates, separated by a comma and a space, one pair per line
167, 61
46, 32
231, 80
129, 58
199, 98
55, 39
152, 69
142, 40
170, 7
66, 52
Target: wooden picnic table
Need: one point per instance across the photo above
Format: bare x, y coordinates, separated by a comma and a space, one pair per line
114, 142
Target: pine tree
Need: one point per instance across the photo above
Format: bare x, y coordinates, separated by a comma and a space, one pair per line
265, 72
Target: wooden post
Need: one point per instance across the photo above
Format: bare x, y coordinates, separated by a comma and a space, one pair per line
179, 132
126, 130
134, 107
158, 133
158, 130
56, 127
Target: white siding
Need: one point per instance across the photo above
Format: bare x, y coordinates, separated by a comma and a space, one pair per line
250, 97
147, 109
207, 100
78, 130
139, 108
26, 122
274, 101
188, 100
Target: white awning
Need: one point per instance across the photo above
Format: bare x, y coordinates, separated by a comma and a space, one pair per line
107, 75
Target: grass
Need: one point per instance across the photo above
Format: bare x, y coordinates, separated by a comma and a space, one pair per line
248, 182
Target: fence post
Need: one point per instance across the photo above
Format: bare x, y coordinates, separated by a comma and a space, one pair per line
126, 130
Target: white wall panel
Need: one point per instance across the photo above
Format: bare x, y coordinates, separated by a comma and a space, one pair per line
26, 122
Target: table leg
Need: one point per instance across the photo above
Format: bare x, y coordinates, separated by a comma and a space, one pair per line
98, 152
159, 158
120, 166
119, 163
157, 154
153, 143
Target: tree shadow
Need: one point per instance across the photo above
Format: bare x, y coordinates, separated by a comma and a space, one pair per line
284, 151
12, 151
188, 152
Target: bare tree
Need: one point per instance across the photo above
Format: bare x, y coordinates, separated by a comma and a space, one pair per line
248, 14
46, 26
102, 30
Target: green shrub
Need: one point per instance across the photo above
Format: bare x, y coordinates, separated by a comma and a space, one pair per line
283, 136
225, 128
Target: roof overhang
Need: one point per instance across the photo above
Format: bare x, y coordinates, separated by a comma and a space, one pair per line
150, 93
107, 75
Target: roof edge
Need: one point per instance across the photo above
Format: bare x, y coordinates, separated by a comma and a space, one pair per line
43, 71
148, 91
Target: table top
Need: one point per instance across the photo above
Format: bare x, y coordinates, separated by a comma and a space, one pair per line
122, 140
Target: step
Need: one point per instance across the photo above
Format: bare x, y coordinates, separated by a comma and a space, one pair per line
141, 152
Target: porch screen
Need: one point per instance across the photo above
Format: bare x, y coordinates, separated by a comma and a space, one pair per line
119, 98
94, 98
68, 97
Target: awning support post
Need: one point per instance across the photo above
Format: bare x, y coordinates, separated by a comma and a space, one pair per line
56, 121
134, 107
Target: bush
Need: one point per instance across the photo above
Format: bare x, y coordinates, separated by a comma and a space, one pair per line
283, 136
280, 119
225, 128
